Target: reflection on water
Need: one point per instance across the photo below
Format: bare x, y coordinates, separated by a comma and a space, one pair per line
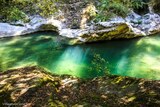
136, 57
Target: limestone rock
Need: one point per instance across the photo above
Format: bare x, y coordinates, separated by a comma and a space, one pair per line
37, 23
133, 25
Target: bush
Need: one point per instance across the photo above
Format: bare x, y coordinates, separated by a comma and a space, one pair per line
46, 7
136, 4
14, 14
118, 9
13, 10
110, 8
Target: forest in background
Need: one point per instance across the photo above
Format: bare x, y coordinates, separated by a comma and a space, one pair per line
14, 10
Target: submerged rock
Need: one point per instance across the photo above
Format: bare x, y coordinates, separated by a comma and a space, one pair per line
32, 86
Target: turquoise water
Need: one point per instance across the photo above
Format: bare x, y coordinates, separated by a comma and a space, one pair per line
138, 57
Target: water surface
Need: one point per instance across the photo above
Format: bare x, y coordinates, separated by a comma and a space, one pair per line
138, 57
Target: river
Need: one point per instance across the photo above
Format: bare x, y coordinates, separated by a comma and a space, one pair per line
139, 57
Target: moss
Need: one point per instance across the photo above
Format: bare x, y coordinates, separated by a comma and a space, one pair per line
101, 91
73, 41
119, 30
118, 80
48, 27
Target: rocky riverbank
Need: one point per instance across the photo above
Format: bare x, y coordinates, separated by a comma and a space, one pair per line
132, 26
75, 24
32, 86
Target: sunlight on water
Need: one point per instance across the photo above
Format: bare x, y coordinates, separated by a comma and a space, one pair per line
138, 57
71, 60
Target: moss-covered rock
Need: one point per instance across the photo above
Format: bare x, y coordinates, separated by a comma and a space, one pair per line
48, 27
32, 86
23, 86
107, 31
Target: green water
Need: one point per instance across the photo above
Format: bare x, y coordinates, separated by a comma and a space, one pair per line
138, 57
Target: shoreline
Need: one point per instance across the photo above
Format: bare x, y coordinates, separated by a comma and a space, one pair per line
32, 86
116, 28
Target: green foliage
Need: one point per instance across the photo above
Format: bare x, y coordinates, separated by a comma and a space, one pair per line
46, 7
137, 4
103, 16
14, 14
110, 8
99, 64
13, 10
118, 9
